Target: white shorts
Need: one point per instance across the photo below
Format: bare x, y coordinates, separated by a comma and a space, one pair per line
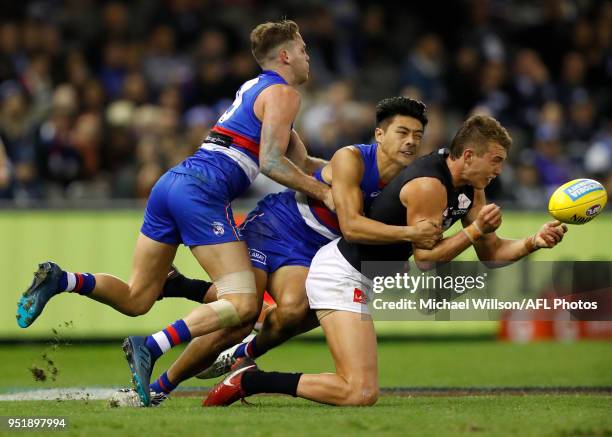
334, 284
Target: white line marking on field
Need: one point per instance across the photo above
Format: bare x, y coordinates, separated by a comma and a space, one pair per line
60, 394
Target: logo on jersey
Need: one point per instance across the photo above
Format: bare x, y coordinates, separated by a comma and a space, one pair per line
464, 201
359, 296
446, 220
257, 256
218, 228
375, 194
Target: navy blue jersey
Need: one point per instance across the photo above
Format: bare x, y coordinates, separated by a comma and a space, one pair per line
388, 208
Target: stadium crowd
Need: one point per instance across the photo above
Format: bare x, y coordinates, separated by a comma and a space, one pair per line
98, 99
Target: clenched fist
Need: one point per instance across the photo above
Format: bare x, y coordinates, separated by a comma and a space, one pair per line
426, 234
489, 218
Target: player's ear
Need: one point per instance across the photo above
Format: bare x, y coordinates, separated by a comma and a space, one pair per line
283, 54
379, 135
468, 154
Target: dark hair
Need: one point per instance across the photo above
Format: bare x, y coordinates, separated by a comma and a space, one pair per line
478, 131
388, 108
270, 35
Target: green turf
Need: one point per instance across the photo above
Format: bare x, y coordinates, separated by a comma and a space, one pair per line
104, 241
475, 415
401, 363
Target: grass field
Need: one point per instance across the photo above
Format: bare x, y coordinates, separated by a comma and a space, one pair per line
91, 241
104, 241
424, 364
574, 415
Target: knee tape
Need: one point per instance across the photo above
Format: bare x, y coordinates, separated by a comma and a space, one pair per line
236, 283
226, 311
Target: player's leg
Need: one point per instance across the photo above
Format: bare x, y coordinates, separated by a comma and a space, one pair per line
150, 266
155, 250
178, 285
229, 267
331, 284
202, 351
354, 383
355, 357
292, 315
287, 257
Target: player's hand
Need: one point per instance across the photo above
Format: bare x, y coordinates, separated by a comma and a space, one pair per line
550, 234
489, 218
329, 200
425, 234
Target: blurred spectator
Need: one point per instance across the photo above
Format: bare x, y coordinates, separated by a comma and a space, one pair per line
17, 136
528, 190
5, 174
424, 69
531, 87
552, 164
60, 160
493, 93
114, 68
598, 157
97, 99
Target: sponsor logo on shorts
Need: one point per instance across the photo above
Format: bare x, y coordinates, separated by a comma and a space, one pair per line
359, 296
257, 256
593, 210
582, 188
218, 228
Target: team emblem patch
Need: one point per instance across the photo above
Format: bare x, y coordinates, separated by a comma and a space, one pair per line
359, 296
464, 201
218, 228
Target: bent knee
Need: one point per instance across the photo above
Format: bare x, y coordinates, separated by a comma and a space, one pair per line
140, 300
136, 309
248, 314
247, 308
292, 312
289, 319
362, 396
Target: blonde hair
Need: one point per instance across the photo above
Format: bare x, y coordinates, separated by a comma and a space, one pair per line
268, 36
479, 131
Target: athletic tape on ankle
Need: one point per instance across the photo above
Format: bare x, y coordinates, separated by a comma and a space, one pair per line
236, 283
225, 310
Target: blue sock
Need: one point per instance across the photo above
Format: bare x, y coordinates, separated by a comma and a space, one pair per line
239, 352
82, 283
247, 349
161, 341
162, 385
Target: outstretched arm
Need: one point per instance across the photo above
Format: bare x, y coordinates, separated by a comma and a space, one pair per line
501, 251
347, 170
278, 106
